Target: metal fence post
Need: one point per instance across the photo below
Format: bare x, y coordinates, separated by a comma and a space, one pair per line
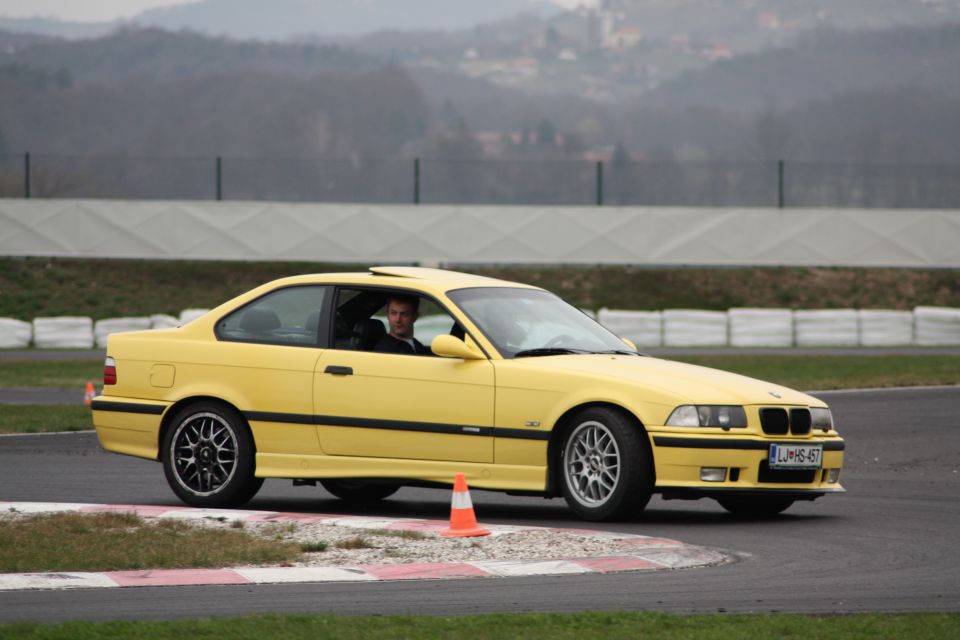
780, 194
219, 178
599, 183
416, 181
26, 175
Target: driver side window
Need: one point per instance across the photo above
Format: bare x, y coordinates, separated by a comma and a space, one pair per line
363, 321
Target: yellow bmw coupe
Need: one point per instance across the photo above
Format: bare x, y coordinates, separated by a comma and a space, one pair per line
406, 376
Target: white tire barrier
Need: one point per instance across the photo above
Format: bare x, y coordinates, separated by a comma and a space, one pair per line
937, 326
761, 327
15, 334
163, 321
103, 328
66, 332
188, 315
885, 328
643, 328
692, 328
739, 327
826, 328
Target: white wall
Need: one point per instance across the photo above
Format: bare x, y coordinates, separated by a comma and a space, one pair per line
370, 234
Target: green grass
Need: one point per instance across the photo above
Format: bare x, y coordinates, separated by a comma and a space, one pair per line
38, 287
839, 372
575, 626
118, 541
798, 372
54, 374
16, 418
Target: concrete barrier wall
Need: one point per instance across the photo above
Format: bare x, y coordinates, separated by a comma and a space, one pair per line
452, 234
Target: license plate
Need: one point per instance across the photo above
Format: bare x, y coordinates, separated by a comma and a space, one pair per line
796, 456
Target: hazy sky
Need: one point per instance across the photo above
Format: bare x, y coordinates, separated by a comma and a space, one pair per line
102, 10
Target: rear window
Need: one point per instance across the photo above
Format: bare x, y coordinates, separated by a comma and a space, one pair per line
289, 316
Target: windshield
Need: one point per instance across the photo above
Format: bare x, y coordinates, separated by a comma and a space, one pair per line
530, 322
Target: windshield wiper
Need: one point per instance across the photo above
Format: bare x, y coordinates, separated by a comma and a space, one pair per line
548, 351
618, 352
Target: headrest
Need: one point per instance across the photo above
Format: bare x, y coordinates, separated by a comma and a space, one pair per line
259, 320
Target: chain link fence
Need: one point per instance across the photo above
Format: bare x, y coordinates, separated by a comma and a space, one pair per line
483, 181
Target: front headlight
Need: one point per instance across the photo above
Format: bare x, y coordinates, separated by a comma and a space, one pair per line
821, 418
723, 416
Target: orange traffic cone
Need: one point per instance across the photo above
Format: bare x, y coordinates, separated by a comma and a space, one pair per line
88, 394
463, 522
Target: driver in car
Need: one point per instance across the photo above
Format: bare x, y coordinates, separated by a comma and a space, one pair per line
402, 313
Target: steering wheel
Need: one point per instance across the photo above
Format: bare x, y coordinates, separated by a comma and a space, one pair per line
556, 342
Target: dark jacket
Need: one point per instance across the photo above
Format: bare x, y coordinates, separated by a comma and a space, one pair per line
389, 344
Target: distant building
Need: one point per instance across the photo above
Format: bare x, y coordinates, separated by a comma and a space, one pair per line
718, 52
624, 38
769, 20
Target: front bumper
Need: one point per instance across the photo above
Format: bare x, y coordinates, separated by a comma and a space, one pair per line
680, 460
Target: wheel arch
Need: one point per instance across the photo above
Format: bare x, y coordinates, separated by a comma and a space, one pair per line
562, 427
167, 422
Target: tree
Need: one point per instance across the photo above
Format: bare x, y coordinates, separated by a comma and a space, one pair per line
621, 157
546, 134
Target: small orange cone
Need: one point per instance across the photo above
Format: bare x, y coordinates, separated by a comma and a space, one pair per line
463, 522
88, 394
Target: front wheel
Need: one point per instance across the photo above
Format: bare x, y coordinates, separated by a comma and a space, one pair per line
755, 507
208, 457
607, 466
357, 491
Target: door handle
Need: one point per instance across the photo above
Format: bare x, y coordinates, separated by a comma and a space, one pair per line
339, 371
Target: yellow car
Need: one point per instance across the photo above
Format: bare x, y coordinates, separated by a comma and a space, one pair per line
406, 376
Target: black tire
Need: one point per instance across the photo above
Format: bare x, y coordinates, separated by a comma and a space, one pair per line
606, 466
358, 491
756, 507
209, 457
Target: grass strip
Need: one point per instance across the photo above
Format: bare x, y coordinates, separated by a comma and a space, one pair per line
123, 541
104, 288
573, 626
29, 418
51, 374
839, 372
797, 371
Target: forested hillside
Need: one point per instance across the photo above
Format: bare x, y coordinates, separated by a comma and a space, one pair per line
313, 121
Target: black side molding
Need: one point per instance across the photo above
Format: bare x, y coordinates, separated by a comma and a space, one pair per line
128, 407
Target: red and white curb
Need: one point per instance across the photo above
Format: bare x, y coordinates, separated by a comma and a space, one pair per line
640, 553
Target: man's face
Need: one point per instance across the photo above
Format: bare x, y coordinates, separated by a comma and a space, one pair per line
401, 316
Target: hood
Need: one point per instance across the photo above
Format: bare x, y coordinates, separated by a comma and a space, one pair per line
687, 383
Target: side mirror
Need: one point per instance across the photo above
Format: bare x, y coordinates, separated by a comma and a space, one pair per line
447, 346
630, 343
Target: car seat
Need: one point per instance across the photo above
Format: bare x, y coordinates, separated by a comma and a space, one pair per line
367, 333
259, 321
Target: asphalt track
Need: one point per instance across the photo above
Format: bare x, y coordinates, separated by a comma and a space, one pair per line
889, 544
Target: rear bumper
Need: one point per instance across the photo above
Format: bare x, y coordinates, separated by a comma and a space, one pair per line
130, 427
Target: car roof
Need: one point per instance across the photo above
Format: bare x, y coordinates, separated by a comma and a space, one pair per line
421, 278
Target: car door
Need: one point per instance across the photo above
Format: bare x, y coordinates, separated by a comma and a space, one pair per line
264, 361
418, 407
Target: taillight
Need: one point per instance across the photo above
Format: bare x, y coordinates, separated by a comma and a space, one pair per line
109, 371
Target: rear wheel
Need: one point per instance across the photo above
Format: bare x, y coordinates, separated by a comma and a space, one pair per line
755, 507
208, 457
358, 491
607, 467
